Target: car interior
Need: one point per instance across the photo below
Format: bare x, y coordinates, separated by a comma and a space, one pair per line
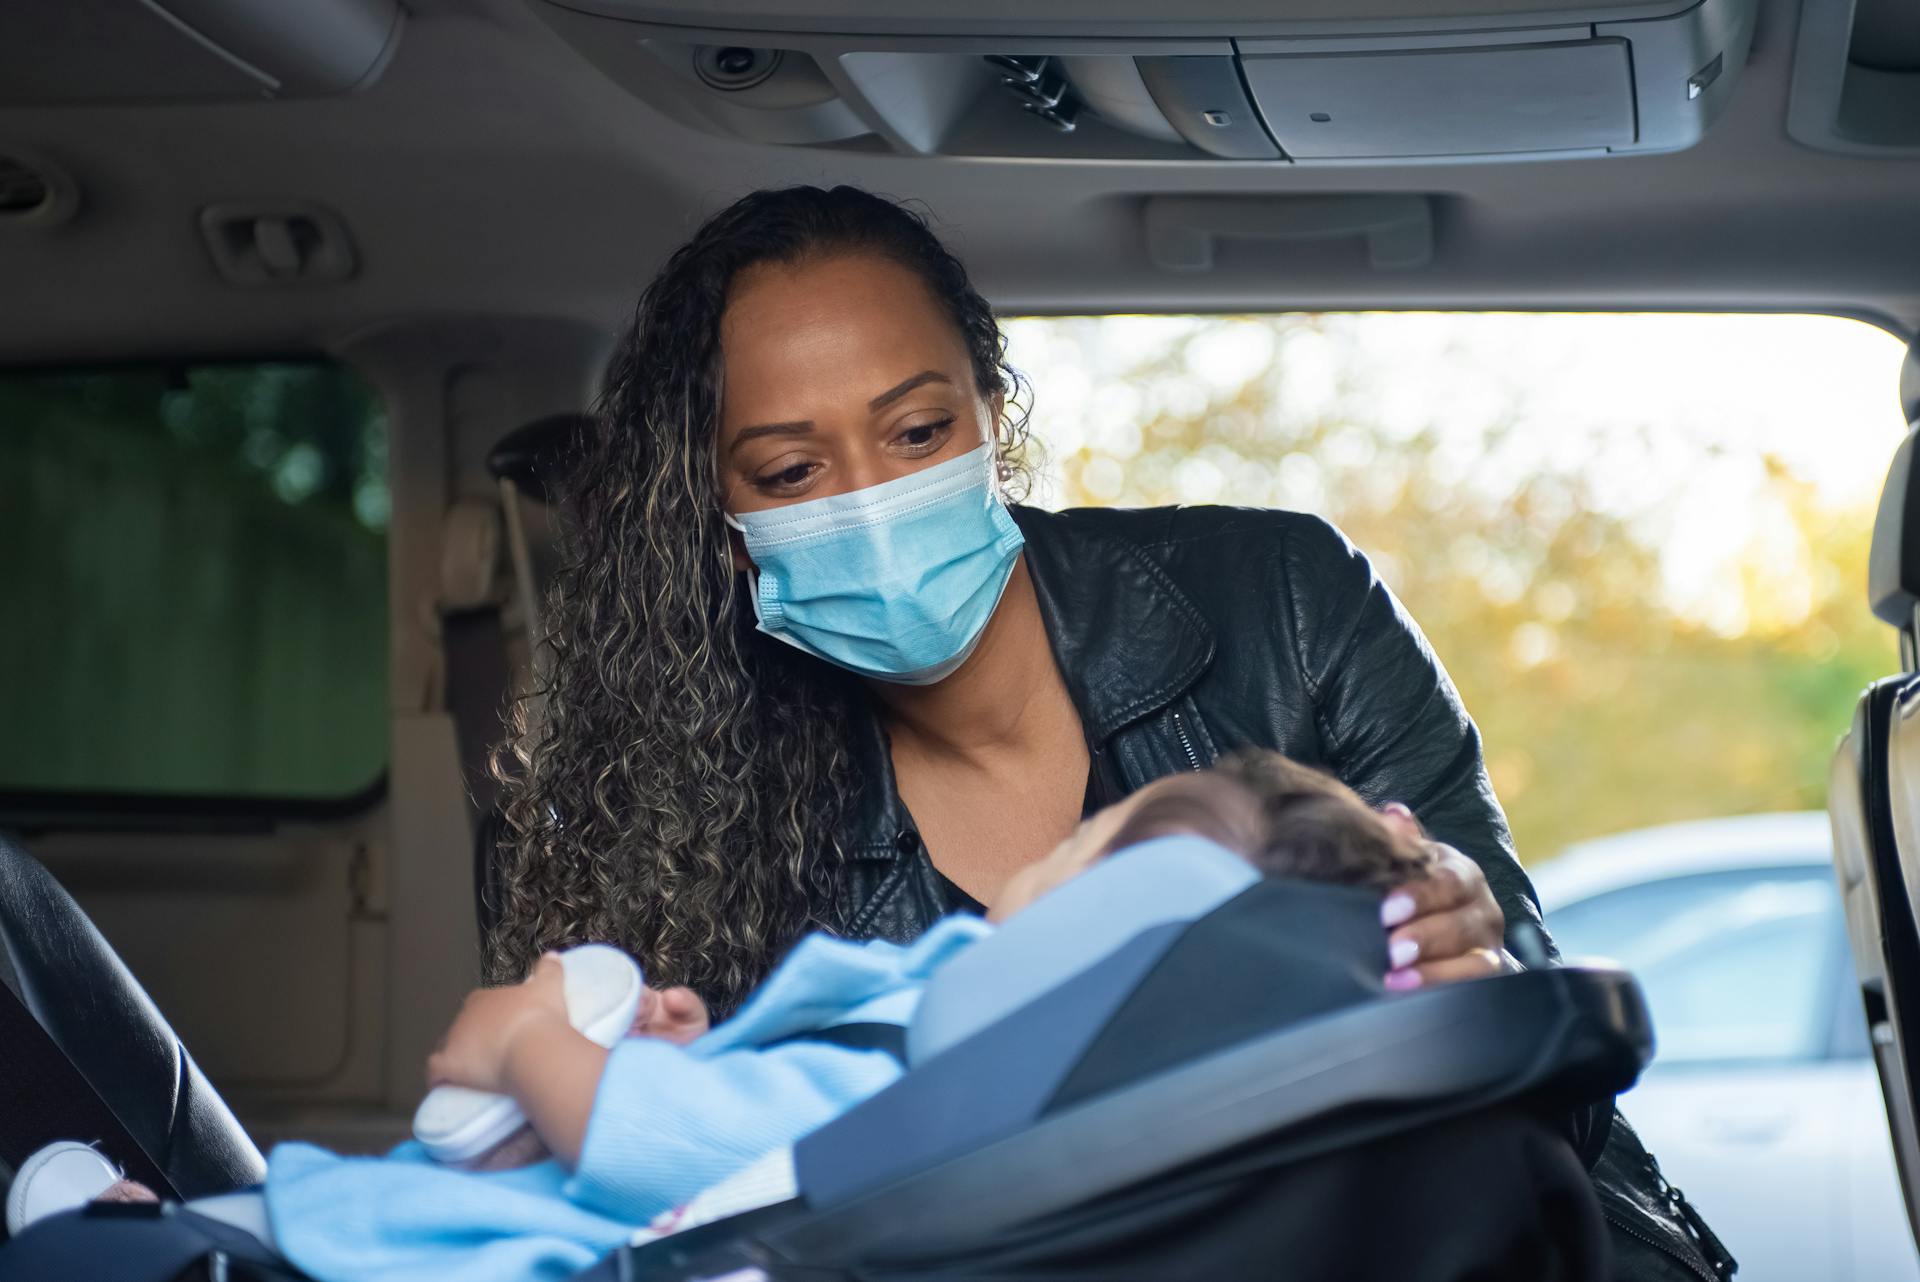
458, 201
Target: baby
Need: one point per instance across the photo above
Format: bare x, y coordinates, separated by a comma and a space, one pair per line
640, 1132
1287, 819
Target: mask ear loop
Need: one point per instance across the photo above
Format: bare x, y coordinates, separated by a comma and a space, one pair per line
752, 571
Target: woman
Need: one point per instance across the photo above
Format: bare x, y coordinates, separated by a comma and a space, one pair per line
810, 668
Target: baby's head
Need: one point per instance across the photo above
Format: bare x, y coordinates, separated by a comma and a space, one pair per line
1287, 819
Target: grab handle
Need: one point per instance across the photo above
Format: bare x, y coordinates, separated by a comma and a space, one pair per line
1182, 230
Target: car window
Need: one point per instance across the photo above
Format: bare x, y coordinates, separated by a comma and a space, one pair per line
1735, 966
1639, 566
195, 582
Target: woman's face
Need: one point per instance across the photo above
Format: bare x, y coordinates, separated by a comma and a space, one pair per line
840, 373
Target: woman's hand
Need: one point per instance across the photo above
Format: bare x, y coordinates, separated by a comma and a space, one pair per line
1446, 926
491, 1021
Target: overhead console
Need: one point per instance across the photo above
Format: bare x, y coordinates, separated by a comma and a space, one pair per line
1280, 81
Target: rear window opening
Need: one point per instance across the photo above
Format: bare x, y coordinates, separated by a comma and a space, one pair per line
195, 585
1638, 542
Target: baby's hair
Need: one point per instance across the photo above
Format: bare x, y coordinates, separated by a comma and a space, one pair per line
1311, 826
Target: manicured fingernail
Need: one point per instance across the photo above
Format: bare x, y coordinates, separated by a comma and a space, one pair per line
1397, 909
1400, 981
1403, 953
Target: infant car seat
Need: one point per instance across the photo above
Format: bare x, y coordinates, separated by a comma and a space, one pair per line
1172, 1108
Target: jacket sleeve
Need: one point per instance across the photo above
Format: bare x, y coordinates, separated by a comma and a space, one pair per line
667, 1123
1389, 719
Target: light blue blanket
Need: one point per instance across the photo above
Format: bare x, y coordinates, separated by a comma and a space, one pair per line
667, 1122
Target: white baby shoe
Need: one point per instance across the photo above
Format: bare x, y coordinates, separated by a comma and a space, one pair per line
62, 1176
603, 987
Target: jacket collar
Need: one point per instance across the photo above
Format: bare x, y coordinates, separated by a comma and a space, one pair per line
1127, 639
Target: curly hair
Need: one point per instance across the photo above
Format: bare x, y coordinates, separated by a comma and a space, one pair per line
680, 790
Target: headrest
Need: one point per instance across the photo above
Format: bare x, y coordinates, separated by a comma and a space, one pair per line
1893, 562
1169, 879
1910, 384
536, 456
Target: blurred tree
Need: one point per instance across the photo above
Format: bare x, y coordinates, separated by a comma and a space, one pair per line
1535, 566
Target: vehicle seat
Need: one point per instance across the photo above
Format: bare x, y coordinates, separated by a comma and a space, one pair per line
71, 981
1875, 898
529, 465
1874, 801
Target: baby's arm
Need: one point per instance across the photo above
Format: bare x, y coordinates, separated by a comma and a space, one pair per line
517, 1041
552, 1072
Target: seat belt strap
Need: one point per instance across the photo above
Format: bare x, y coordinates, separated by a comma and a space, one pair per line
890, 1038
48, 1099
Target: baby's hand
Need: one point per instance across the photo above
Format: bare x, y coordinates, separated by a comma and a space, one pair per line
675, 1015
474, 1051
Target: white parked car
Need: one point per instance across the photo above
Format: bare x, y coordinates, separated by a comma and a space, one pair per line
1762, 1102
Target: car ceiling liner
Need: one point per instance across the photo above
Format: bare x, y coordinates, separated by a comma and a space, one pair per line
112, 51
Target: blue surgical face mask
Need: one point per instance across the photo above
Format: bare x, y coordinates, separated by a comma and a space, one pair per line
896, 581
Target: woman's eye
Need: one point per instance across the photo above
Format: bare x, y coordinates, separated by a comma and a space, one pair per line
786, 478
922, 436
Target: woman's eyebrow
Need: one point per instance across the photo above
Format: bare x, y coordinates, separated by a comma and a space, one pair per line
893, 394
799, 427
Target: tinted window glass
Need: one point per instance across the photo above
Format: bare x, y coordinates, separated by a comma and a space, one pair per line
194, 582
1735, 966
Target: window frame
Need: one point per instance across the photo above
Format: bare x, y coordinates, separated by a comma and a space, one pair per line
30, 811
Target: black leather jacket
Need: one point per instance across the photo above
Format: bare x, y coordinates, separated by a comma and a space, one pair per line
1185, 633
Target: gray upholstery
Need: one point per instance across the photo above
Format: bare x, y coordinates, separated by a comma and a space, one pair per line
1910, 383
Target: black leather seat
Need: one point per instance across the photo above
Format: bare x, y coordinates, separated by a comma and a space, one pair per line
69, 978
1874, 800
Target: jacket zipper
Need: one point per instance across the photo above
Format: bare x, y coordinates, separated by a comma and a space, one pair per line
1711, 1246
1656, 1244
1186, 741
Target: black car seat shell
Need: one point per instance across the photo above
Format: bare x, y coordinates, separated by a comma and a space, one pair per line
1211, 1059
93, 1010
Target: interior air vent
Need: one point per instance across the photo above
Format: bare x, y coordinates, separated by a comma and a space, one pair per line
32, 192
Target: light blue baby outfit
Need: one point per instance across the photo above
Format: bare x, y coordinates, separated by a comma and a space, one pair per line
667, 1122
